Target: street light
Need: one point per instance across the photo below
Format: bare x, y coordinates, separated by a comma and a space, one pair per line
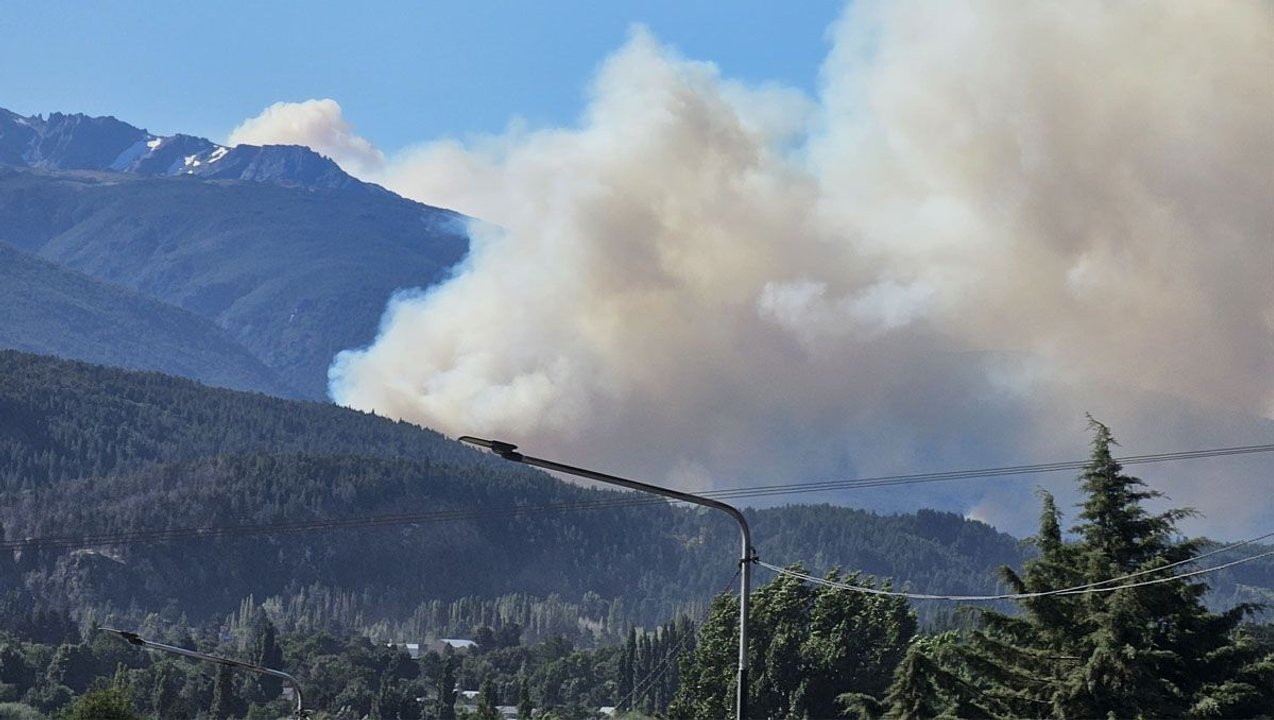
135, 639
509, 451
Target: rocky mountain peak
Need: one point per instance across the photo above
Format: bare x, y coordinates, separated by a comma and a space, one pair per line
81, 142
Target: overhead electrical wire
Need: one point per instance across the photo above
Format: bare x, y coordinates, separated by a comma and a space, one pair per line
920, 478
1094, 587
1187, 561
169, 534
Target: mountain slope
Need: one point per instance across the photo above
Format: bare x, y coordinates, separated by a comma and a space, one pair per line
92, 450
293, 274
277, 245
316, 500
53, 311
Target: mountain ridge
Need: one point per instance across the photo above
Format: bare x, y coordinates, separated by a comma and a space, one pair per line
88, 450
82, 142
387, 512
293, 258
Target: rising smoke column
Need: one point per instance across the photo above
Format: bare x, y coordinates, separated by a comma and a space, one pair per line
995, 217
316, 124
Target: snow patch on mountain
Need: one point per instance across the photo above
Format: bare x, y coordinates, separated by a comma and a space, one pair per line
130, 156
80, 142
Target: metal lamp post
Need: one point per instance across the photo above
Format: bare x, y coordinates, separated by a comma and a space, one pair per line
135, 639
509, 451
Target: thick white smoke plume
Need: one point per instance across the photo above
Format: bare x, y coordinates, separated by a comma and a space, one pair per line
317, 124
995, 217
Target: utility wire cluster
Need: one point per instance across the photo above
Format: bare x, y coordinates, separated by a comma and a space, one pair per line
1108, 585
919, 478
635, 500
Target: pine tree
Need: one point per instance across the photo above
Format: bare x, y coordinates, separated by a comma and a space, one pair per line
627, 671
488, 701
224, 701
1151, 650
447, 687
15, 671
8, 568
166, 696
264, 650
645, 665
1148, 650
525, 707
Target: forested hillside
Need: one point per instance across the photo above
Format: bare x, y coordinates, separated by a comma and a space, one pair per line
152, 502
143, 461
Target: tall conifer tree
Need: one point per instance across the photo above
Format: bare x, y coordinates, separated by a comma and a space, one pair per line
224, 701
1129, 648
447, 687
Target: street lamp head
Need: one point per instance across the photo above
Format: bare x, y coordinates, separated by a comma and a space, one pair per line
130, 637
508, 451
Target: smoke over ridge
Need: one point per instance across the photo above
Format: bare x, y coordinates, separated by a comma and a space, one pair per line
318, 124
994, 217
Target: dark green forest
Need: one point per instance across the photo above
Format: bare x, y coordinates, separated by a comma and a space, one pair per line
91, 451
211, 518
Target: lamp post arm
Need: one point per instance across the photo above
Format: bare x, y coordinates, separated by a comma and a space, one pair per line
509, 451
640, 487
135, 639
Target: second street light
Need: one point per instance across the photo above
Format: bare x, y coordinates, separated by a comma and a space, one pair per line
134, 639
509, 451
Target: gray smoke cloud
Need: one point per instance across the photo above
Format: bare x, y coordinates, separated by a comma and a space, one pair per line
994, 217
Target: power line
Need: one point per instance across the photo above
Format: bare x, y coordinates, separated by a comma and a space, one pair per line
1169, 566
1095, 587
920, 478
229, 531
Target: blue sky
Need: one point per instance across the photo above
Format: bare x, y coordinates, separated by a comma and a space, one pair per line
403, 71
